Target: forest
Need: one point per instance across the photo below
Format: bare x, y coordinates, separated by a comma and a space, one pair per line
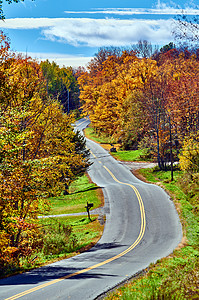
149, 101
142, 99
145, 101
40, 154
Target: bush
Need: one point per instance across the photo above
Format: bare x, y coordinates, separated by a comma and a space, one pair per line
59, 239
189, 157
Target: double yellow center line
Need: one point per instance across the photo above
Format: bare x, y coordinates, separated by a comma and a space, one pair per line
142, 214
139, 238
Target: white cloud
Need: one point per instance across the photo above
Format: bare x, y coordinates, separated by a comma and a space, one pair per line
61, 59
29, 23
96, 32
161, 9
106, 32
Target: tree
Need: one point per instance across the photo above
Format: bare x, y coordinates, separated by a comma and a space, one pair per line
96, 64
133, 123
40, 154
189, 163
189, 156
154, 101
186, 28
101, 89
132, 98
145, 49
61, 84
168, 47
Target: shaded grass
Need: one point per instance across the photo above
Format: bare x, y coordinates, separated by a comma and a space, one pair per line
80, 191
176, 276
63, 237
82, 236
85, 231
91, 134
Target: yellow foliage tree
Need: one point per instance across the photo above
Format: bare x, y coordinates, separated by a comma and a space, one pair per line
189, 156
40, 154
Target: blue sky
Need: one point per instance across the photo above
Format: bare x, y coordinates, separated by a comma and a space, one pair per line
71, 32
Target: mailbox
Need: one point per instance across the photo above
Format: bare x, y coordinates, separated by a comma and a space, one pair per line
88, 206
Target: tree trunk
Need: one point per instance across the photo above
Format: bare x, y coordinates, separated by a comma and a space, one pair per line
171, 152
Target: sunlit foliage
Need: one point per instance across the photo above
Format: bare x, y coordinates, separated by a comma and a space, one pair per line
40, 154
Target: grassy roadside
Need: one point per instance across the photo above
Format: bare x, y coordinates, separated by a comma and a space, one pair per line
71, 235
130, 155
64, 237
80, 191
91, 134
105, 142
176, 276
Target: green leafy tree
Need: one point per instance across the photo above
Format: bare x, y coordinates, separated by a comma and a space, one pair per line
61, 84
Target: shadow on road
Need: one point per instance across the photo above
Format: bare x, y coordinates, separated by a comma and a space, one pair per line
47, 273
106, 246
56, 270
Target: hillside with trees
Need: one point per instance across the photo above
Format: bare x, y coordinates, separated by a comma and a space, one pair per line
40, 154
139, 97
152, 102
61, 85
135, 98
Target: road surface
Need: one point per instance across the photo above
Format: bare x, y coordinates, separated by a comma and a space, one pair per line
141, 227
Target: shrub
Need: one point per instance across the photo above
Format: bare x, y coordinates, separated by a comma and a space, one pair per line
59, 239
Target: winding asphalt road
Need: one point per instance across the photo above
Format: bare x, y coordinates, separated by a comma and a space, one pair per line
142, 226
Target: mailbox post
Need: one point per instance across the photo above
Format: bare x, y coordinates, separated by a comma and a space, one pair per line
88, 206
113, 149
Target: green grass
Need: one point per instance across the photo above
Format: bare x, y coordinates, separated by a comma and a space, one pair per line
76, 232
80, 192
129, 155
84, 230
174, 277
79, 234
102, 139
63, 237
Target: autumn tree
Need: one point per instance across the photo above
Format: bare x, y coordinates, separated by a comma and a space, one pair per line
132, 99
96, 63
40, 154
189, 156
186, 28
101, 89
189, 164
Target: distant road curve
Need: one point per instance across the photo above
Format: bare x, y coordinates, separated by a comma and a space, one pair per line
141, 227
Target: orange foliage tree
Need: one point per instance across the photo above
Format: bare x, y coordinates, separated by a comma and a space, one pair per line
130, 98
40, 154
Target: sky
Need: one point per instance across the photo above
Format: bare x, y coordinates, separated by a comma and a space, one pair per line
71, 32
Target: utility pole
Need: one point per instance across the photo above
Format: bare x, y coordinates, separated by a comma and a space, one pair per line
68, 101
